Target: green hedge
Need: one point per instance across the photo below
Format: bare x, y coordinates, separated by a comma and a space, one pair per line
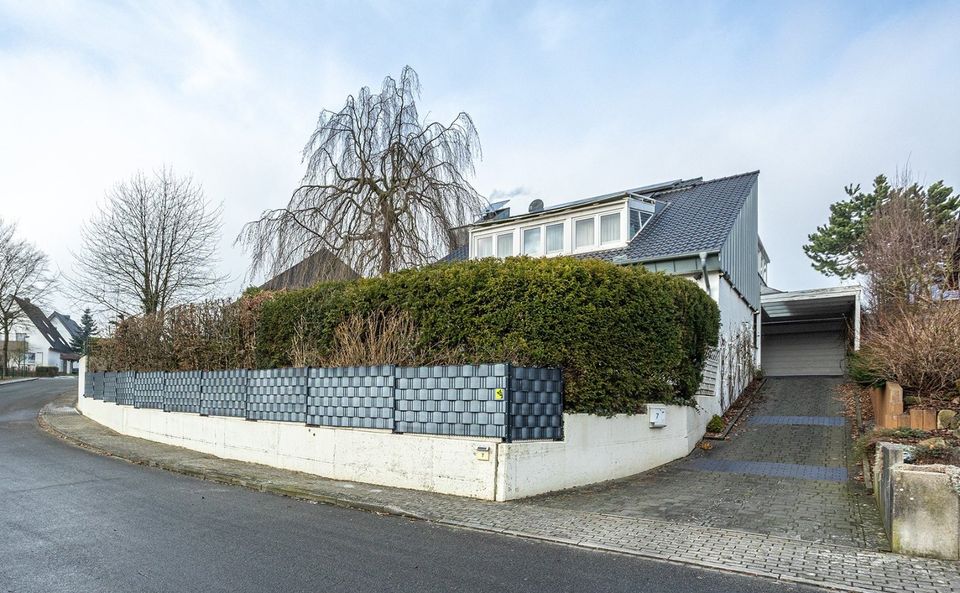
623, 336
43, 371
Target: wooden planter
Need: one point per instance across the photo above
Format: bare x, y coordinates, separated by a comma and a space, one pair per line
888, 410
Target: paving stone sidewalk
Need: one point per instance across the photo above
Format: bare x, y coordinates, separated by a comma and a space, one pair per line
831, 566
787, 471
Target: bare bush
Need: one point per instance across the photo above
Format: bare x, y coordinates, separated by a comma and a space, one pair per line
375, 339
917, 346
210, 335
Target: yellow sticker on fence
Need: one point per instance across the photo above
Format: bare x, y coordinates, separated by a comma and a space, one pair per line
498, 394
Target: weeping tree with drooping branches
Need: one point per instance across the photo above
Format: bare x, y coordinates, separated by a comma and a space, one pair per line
384, 189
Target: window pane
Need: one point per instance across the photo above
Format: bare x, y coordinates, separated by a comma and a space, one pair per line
583, 231
531, 241
505, 245
609, 228
554, 238
485, 247
635, 223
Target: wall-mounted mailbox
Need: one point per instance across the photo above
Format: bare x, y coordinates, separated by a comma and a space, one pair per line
658, 416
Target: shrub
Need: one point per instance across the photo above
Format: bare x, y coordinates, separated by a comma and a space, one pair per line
43, 371
623, 336
716, 424
861, 371
215, 334
866, 444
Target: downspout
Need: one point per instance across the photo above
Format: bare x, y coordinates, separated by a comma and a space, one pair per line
703, 268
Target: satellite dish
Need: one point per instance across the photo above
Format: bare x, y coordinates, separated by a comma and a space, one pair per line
536, 205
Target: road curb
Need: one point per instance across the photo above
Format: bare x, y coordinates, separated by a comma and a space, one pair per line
223, 478
15, 381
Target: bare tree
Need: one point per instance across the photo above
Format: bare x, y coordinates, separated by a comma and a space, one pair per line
383, 190
909, 256
151, 245
24, 274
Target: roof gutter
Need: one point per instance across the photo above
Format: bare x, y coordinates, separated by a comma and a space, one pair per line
688, 255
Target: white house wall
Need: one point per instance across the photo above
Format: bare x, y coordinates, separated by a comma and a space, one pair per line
736, 317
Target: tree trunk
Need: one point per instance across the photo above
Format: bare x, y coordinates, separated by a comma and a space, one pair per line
6, 352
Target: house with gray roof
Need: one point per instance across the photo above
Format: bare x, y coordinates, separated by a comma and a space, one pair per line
704, 230
39, 341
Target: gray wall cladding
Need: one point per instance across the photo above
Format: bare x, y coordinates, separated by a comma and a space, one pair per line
224, 393
109, 391
181, 391
277, 394
536, 403
468, 400
148, 390
90, 385
487, 400
356, 397
125, 383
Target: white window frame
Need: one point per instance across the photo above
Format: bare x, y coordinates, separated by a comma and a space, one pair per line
599, 228
541, 248
573, 232
563, 237
477, 245
513, 246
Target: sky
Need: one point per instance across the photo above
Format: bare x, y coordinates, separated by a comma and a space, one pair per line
570, 100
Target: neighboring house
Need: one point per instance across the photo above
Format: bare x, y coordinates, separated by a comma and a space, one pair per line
702, 230
69, 329
320, 267
43, 344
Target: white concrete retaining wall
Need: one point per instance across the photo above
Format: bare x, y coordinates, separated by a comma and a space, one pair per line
594, 449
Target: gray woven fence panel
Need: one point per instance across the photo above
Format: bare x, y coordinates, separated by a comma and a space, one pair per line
536, 403
357, 397
181, 391
277, 394
148, 390
224, 393
125, 382
452, 400
89, 384
110, 387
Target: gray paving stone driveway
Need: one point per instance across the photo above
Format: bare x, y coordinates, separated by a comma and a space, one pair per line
785, 471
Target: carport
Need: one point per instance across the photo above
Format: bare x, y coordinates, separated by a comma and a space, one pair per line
809, 332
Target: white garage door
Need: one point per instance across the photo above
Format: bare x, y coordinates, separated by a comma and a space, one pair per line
798, 352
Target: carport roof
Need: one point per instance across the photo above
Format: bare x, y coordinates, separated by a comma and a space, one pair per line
815, 303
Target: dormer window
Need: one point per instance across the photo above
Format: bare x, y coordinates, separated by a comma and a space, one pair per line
555, 238
581, 229
485, 247
505, 245
610, 228
532, 241
583, 233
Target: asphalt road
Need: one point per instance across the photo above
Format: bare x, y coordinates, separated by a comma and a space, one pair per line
71, 520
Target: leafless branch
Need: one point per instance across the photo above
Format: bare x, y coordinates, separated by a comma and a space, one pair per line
151, 245
24, 274
383, 187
